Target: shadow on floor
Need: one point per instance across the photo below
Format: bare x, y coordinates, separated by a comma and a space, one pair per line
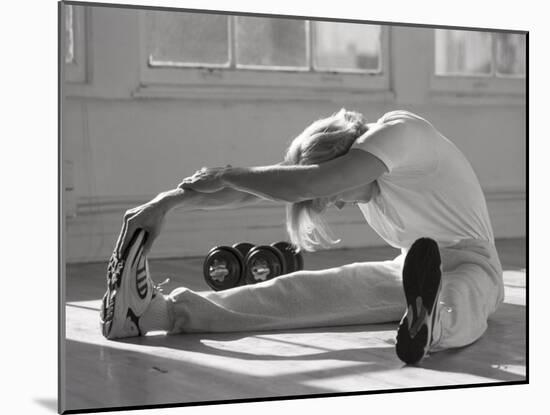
502, 346
178, 369
106, 377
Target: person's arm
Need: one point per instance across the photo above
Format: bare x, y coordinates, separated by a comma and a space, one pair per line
354, 169
187, 199
303, 182
295, 183
150, 216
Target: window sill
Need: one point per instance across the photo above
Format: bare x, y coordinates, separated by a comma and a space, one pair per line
471, 90
470, 98
266, 93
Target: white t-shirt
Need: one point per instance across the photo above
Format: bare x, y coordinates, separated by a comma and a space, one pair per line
430, 189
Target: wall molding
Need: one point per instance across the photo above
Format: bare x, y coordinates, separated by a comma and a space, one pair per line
91, 234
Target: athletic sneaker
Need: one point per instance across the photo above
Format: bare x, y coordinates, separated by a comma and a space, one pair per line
129, 290
422, 284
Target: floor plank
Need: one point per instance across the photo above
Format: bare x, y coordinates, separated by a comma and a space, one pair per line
159, 369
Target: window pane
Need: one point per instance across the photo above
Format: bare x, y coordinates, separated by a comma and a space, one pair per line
271, 42
460, 52
510, 54
347, 46
187, 38
69, 34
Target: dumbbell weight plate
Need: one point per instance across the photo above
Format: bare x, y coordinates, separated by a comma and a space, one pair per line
263, 263
223, 267
243, 248
294, 260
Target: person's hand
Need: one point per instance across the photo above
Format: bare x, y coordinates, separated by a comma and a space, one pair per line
205, 180
149, 217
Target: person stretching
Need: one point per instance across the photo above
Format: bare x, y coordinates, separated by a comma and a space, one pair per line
414, 188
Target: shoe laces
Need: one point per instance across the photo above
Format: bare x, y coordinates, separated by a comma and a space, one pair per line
159, 287
115, 266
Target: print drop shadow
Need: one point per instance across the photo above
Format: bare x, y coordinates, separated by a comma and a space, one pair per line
48, 403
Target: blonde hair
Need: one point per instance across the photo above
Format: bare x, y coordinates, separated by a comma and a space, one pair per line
324, 140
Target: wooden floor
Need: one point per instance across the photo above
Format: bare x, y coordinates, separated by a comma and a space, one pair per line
159, 369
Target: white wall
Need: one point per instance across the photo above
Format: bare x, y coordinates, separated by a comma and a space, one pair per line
126, 148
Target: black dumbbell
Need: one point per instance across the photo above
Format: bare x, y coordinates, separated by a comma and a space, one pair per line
224, 266
243, 263
293, 258
266, 262
263, 263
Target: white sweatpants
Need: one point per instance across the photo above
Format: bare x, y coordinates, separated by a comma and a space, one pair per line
358, 293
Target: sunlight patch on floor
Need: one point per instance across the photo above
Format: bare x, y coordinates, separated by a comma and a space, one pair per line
515, 369
391, 378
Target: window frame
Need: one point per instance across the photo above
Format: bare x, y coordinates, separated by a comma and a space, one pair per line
230, 77
76, 71
491, 84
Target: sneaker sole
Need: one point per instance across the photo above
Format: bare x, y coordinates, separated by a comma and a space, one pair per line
422, 284
115, 303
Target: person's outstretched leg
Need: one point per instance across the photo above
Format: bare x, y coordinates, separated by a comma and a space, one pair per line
359, 293
450, 294
472, 289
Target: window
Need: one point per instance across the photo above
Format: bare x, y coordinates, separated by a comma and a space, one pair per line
346, 47
277, 44
191, 49
72, 41
478, 62
187, 40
